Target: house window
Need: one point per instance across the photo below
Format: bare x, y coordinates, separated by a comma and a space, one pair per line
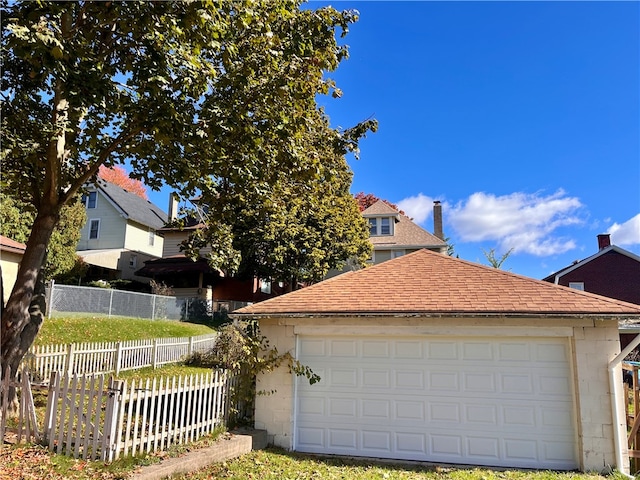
380, 226
265, 286
133, 261
373, 226
90, 199
397, 253
94, 228
577, 285
152, 237
385, 226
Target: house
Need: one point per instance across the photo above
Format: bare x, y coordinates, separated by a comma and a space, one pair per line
433, 358
394, 234
10, 257
196, 279
612, 271
121, 232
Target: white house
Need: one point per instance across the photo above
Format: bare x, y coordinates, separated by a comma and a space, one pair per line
121, 232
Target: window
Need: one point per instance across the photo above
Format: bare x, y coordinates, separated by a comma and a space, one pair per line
373, 226
152, 237
385, 226
90, 199
577, 285
380, 226
397, 253
133, 261
94, 228
265, 286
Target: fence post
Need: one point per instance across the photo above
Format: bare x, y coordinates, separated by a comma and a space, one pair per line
48, 301
110, 301
190, 346
155, 353
68, 368
111, 417
117, 358
52, 407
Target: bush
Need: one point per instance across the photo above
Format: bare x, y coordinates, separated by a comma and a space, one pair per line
243, 350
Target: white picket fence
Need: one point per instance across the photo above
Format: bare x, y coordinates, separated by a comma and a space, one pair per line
107, 357
26, 424
91, 418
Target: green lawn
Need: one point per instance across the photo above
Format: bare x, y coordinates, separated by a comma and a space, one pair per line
275, 464
66, 330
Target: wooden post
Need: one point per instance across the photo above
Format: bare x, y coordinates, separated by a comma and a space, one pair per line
111, 416
155, 353
117, 359
68, 367
190, 346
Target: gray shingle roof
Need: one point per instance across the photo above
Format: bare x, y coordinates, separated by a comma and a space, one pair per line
135, 208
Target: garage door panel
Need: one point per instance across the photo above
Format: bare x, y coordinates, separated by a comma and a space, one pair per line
517, 385
478, 401
550, 417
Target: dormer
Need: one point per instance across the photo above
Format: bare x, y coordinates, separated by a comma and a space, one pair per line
382, 219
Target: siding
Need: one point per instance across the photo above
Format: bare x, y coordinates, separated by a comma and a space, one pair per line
613, 275
137, 239
172, 242
112, 227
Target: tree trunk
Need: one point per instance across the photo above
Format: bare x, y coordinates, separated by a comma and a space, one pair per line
23, 315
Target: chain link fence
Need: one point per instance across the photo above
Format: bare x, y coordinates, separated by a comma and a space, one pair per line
68, 299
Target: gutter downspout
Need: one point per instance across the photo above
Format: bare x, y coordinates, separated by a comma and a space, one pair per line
615, 385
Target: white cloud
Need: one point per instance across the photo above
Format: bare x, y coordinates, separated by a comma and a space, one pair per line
419, 207
626, 234
524, 222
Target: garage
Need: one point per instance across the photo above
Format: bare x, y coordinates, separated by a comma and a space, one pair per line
432, 358
475, 401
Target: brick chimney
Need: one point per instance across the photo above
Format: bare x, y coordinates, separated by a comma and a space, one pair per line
437, 220
604, 240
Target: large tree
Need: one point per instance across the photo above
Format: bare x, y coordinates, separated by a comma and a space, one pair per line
16, 218
211, 96
291, 230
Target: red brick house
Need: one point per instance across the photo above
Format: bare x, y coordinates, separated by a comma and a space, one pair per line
613, 272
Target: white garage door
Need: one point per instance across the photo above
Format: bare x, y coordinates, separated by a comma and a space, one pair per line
480, 401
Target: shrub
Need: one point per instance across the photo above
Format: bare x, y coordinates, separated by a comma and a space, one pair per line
243, 350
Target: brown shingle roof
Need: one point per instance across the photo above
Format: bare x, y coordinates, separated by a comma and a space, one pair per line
379, 208
8, 245
430, 283
405, 232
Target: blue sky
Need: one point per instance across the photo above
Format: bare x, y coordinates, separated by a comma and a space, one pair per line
523, 118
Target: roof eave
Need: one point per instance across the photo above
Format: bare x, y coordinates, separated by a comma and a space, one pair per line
343, 314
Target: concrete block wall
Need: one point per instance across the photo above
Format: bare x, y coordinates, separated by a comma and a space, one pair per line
595, 347
274, 403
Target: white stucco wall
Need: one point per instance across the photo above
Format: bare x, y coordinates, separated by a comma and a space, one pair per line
594, 343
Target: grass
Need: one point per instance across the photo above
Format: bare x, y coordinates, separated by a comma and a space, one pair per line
36, 462
276, 464
65, 330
